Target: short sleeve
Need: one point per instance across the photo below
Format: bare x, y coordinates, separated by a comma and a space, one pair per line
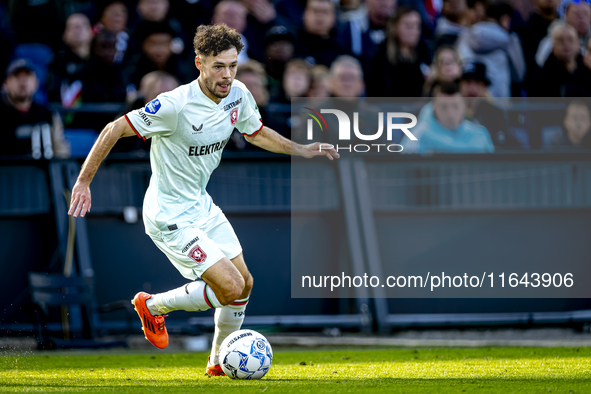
249, 119
158, 117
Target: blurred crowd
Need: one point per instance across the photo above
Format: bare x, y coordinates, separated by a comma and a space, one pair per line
80, 52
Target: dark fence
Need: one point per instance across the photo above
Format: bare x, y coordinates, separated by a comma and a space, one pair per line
542, 192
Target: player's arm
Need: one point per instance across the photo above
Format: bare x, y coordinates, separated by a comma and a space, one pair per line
272, 141
80, 203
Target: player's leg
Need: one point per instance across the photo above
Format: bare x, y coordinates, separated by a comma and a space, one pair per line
194, 255
230, 317
221, 284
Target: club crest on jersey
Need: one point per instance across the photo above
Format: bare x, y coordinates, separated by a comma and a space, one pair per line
234, 116
198, 254
153, 106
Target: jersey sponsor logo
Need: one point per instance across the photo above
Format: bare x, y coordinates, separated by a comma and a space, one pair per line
207, 149
233, 104
191, 242
234, 116
145, 118
197, 130
198, 254
153, 106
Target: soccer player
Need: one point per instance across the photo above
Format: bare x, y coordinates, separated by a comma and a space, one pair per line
189, 127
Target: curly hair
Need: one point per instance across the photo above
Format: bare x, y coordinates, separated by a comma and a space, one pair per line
211, 40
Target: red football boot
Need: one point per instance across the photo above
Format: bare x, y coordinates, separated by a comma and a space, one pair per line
152, 326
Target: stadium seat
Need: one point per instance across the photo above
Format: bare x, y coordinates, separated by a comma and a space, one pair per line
41, 55
73, 298
81, 141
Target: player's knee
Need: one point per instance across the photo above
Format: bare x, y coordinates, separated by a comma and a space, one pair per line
248, 283
232, 291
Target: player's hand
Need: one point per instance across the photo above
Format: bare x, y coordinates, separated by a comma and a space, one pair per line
320, 149
80, 203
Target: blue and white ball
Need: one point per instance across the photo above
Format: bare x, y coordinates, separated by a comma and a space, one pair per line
245, 354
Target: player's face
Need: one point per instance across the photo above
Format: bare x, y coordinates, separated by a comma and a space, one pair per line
218, 72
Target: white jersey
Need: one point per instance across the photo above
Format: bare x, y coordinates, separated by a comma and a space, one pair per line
189, 132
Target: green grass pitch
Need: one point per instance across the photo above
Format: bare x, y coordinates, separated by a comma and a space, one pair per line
425, 370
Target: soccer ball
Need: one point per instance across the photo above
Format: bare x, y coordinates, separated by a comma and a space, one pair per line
245, 354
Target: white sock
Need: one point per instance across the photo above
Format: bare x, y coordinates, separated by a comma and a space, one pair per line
195, 296
227, 320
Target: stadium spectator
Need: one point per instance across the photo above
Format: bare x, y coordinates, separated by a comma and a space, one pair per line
153, 10
68, 69
481, 107
103, 80
28, 128
363, 35
446, 67
233, 14
564, 74
114, 19
191, 14
346, 77
157, 55
320, 86
429, 10
587, 57
252, 74
157, 11
292, 10
260, 19
397, 70
452, 22
296, 81
347, 86
492, 43
351, 9
535, 30
578, 15
476, 11
151, 85
444, 127
317, 40
279, 48
575, 131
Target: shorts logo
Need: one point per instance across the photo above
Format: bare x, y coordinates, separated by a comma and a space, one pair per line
234, 116
198, 254
153, 106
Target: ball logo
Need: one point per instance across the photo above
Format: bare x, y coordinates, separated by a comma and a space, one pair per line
197, 254
153, 106
260, 345
234, 116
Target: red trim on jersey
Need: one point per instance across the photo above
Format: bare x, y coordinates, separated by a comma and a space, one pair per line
133, 128
240, 303
253, 134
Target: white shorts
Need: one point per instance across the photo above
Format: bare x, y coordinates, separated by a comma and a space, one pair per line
193, 248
